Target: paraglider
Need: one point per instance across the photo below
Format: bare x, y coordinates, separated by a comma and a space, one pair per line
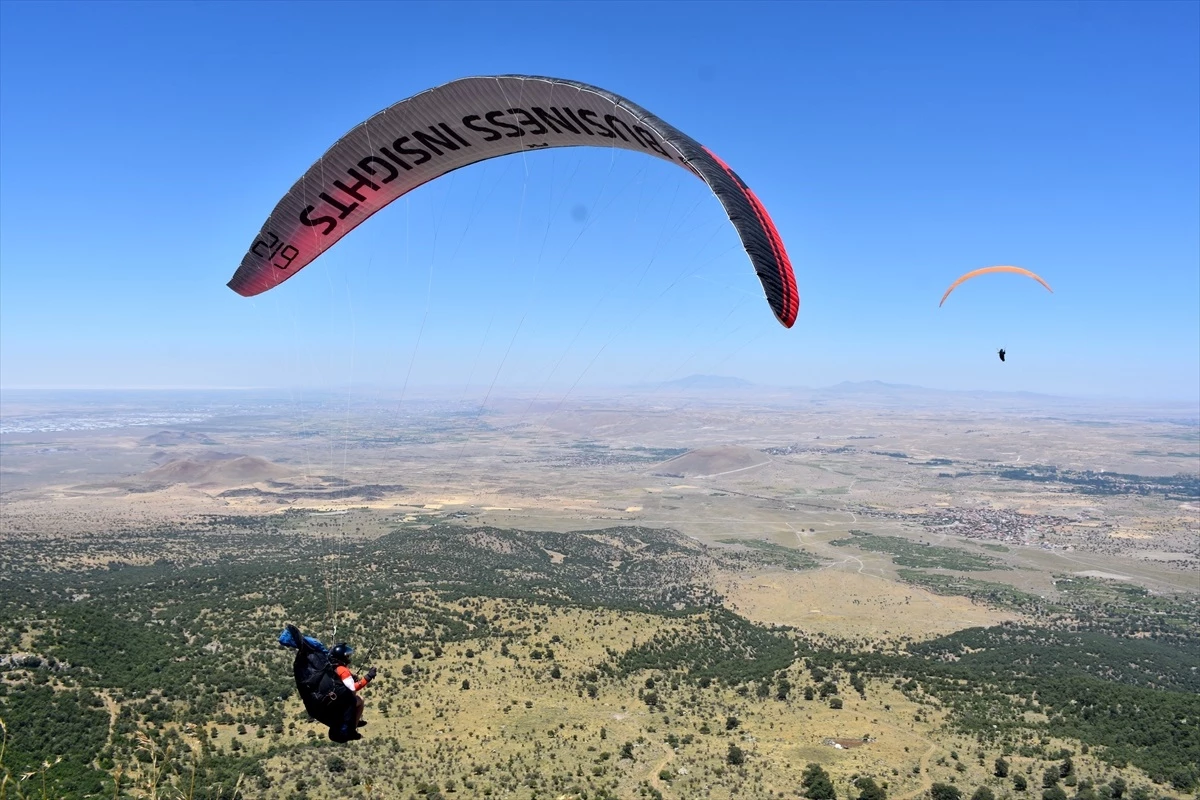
466, 121
1001, 353
327, 687
988, 270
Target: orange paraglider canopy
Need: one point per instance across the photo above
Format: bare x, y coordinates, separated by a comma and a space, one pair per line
986, 270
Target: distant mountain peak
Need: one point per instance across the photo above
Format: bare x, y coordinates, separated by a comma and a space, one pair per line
710, 382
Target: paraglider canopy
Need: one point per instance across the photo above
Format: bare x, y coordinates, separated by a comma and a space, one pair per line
467, 121
988, 270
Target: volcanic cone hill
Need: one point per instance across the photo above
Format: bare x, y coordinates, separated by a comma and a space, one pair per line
239, 470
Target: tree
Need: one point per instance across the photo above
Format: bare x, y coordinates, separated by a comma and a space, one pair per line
869, 789
808, 693
466, 684
983, 793
816, 783
1019, 782
1050, 777
1001, 770
1055, 792
835, 703
944, 791
735, 756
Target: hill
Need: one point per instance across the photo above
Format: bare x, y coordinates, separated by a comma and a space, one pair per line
237, 470
174, 438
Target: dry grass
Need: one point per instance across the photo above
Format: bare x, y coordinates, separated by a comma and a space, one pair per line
851, 605
442, 732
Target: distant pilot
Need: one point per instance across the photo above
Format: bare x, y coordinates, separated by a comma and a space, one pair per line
1001, 353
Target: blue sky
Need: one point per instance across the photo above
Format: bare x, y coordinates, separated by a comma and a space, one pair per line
896, 146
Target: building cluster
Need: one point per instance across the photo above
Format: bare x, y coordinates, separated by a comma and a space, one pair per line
1000, 525
996, 524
